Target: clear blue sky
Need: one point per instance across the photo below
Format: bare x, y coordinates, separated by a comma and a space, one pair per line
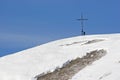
27, 23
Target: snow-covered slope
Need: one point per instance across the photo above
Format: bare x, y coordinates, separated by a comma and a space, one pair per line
25, 65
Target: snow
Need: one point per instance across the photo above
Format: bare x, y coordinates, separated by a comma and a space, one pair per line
25, 65
108, 67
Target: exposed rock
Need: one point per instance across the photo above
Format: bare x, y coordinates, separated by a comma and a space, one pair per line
70, 68
93, 41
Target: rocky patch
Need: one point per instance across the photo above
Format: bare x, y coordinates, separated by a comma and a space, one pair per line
70, 68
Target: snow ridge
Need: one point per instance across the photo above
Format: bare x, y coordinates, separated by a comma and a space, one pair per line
25, 65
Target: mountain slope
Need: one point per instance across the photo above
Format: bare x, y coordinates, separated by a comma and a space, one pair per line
108, 67
27, 64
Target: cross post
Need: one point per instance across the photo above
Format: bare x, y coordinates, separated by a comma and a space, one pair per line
82, 19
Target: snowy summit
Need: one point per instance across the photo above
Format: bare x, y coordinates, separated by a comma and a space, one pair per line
92, 57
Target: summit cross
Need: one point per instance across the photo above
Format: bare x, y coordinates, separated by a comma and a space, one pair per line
82, 19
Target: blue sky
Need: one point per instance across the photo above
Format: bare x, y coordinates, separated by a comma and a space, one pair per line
28, 23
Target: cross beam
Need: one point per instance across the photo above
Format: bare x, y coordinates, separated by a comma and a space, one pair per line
82, 19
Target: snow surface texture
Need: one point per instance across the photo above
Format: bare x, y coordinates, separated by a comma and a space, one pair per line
25, 65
